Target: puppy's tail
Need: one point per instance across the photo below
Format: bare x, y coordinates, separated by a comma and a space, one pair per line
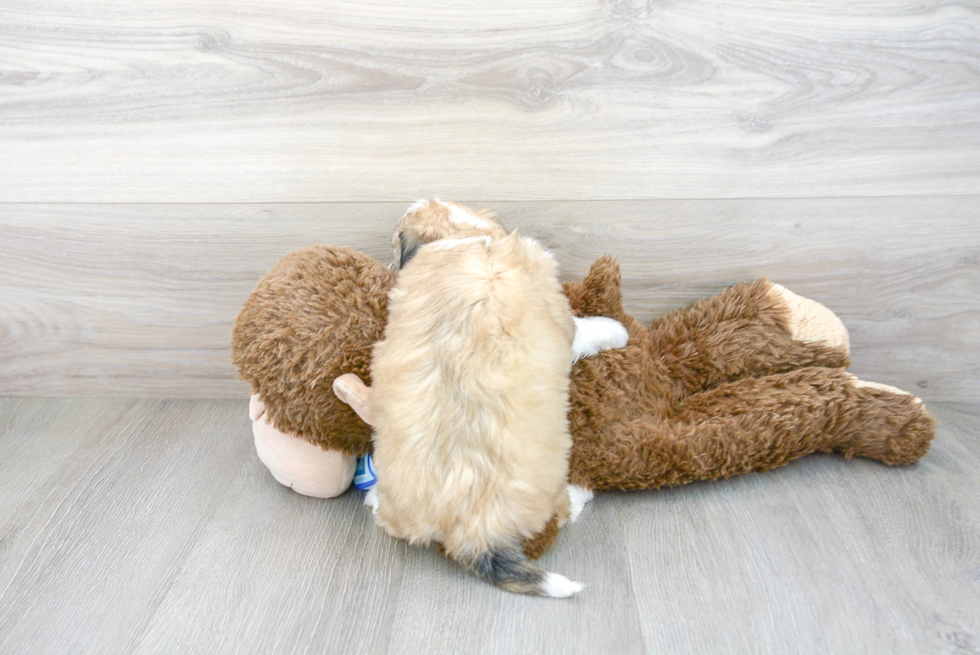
509, 568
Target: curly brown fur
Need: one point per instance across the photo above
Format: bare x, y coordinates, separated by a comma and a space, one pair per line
313, 317
758, 398
738, 333
756, 424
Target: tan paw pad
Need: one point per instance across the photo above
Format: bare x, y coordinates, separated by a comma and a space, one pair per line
865, 384
810, 321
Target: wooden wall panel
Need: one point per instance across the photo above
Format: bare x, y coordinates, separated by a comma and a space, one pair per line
498, 99
139, 300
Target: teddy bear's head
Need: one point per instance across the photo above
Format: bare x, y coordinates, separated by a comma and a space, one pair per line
313, 317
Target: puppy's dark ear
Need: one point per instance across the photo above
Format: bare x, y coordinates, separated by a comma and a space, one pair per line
408, 245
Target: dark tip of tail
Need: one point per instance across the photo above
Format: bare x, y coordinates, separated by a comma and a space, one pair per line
509, 569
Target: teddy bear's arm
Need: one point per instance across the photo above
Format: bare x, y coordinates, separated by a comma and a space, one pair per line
756, 424
351, 389
750, 330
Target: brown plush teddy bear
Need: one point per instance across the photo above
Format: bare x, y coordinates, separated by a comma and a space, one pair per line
744, 381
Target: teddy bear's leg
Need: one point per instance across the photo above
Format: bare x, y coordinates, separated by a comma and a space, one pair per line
296, 463
756, 424
750, 330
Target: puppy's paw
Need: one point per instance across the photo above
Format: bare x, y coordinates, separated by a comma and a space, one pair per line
577, 497
597, 333
371, 499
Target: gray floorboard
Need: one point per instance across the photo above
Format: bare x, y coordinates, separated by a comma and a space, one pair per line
96, 547
150, 526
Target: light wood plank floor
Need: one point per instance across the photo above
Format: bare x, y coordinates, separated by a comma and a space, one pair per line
151, 526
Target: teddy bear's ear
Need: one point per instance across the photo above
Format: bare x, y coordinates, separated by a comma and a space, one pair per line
600, 292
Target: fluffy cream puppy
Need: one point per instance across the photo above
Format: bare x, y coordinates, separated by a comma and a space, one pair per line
470, 394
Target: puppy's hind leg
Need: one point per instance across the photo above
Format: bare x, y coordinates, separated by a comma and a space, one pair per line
371, 499
578, 497
594, 334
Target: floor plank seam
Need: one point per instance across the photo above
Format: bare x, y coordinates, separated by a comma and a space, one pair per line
139, 632
349, 527
629, 573
534, 201
181, 560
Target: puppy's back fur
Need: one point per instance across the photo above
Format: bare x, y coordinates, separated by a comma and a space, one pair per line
471, 397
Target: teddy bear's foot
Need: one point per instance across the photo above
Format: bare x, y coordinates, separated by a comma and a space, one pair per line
811, 322
296, 463
892, 426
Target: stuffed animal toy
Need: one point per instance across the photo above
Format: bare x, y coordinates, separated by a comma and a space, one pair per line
747, 380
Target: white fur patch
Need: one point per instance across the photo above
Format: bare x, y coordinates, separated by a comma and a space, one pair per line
417, 205
578, 497
558, 586
371, 499
597, 333
460, 216
533, 244
444, 244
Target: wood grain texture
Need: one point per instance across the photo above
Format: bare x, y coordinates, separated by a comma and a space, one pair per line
273, 571
89, 555
139, 300
479, 619
497, 100
37, 443
162, 532
823, 556
833, 147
